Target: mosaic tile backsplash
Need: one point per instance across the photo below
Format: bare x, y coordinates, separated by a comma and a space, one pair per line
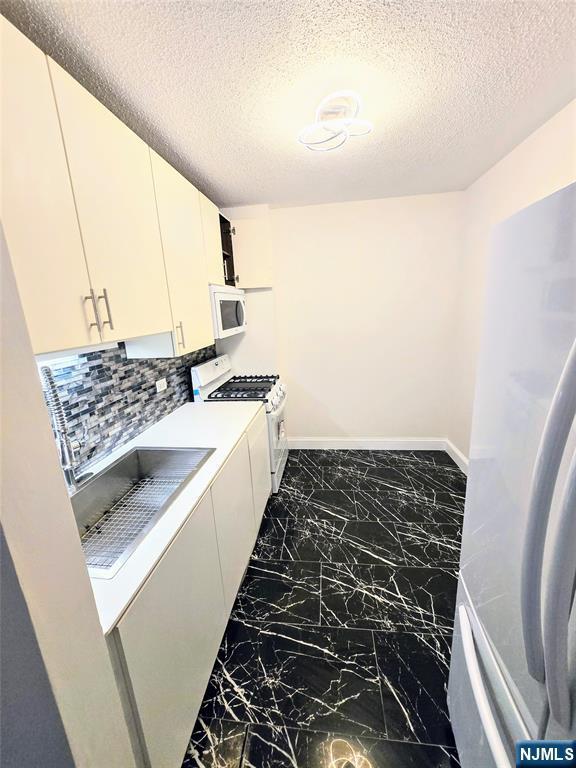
109, 399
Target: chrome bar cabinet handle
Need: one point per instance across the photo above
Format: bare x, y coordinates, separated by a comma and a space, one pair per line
93, 298
181, 326
109, 313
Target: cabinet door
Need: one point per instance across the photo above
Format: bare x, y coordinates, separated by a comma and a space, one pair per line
178, 205
212, 240
258, 446
252, 244
37, 205
170, 637
112, 182
234, 516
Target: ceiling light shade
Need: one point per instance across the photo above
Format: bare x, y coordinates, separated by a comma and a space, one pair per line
322, 136
336, 121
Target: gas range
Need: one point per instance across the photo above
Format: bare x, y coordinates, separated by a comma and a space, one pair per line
214, 382
266, 388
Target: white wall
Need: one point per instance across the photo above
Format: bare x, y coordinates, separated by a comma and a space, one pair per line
379, 303
365, 303
254, 351
42, 537
540, 165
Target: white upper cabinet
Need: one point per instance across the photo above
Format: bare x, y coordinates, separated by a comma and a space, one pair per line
252, 245
212, 240
180, 219
37, 205
112, 183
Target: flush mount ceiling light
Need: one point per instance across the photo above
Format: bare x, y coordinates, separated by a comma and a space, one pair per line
336, 120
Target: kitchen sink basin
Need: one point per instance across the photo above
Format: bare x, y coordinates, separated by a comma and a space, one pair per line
116, 508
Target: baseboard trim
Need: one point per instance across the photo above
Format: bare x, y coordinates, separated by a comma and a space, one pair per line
382, 444
457, 455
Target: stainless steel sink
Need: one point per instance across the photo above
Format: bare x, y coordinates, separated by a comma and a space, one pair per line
116, 508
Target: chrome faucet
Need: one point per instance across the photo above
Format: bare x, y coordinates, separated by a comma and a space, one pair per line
67, 448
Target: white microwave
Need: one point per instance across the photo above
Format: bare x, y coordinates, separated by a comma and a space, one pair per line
228, 310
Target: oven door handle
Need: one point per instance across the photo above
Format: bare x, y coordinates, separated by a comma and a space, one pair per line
280, 410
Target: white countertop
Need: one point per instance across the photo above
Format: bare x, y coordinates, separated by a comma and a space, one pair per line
194, 425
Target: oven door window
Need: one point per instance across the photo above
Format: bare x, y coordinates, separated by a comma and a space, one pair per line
231, 314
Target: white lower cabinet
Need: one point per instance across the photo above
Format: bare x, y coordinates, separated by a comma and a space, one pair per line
166, 643
170, 637
234, 516
258, 446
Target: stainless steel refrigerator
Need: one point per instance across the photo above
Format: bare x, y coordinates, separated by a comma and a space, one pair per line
513, 668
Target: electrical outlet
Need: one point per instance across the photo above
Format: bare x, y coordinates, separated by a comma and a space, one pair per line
161, 385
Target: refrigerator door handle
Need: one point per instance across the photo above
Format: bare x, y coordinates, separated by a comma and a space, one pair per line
550, 450
558, 605
489, 724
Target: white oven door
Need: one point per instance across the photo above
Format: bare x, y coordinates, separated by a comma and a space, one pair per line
278, 443
229, 314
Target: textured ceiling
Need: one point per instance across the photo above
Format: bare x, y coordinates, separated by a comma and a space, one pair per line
222, 87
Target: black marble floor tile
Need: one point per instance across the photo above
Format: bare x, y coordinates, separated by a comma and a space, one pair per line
329, 458
369, 457
434, 458
361, 455
278, 674
430, 544
301, 477
449, 499
414, 678
391, 477
273, 747
215, 744
319, 504
413, 478
403, 507
348, 541
434, 477
349, 477
288, 502
270, 539
380, 597
279, 591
